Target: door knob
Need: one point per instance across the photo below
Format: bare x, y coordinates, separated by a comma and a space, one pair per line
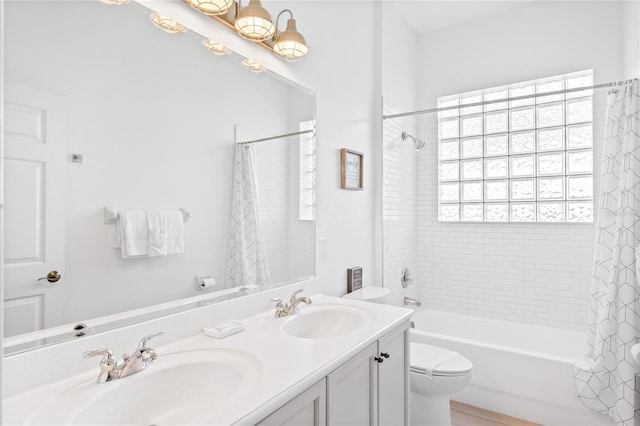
379, 359
52, 277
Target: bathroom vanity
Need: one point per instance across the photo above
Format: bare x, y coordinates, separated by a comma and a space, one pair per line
336, 361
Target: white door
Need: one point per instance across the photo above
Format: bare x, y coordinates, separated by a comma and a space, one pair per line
34, 221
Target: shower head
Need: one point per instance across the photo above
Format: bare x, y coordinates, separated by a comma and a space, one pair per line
419, 143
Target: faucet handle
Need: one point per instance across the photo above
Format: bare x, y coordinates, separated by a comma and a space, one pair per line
107, 360
280, 306
295, 293
145, 339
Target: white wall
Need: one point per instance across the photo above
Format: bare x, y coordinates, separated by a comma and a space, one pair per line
343, 69
537, 273
399, 158
631, 42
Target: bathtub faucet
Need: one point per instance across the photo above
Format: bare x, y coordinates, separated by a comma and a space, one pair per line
410, 301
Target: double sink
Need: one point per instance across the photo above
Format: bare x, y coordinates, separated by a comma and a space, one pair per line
193, 382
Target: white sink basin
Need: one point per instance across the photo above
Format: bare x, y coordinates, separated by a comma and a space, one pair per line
321, 321
179, 387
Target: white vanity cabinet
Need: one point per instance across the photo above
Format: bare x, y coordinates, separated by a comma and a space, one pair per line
393, 378
356, 377
371, 388
308, 408
352, 389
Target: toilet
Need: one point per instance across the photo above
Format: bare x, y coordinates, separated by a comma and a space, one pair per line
435, 373
369, 294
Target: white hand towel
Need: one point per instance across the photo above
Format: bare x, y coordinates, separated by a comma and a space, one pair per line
132, 233
166, 232
157, 244
175, 232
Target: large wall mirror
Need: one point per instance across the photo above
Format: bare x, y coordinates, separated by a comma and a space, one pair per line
103, 109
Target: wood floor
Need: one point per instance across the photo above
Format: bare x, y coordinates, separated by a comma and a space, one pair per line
468, 415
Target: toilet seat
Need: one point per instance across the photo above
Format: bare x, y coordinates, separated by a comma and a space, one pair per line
436, 361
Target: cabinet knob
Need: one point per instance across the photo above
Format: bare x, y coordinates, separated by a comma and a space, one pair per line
384, 354
378, 359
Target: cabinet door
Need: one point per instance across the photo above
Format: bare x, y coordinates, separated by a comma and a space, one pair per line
351, 391
308, 408
393, 378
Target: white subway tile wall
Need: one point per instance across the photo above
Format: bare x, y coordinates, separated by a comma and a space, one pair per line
271, 165
400, 210
537, 273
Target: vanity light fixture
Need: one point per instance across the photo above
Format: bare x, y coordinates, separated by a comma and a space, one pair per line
253, 66
215, 47
167, 24
115, 2
289, 44
211, 7
253, 22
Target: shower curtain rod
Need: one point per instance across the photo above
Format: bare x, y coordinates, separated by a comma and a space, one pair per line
515, 98
286, 135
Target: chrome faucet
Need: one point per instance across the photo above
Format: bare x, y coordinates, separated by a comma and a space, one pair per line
284, 309
140, 359
410, 301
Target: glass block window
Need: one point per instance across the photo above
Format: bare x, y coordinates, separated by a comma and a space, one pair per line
307, 190
518, 160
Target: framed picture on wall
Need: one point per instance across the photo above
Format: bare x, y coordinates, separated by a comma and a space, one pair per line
351, 164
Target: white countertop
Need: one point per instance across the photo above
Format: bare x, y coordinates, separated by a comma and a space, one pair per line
286, 365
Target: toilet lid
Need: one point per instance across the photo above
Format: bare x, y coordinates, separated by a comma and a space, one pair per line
438, 361
369, 294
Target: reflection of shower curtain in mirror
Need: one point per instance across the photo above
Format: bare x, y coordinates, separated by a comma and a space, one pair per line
246, 253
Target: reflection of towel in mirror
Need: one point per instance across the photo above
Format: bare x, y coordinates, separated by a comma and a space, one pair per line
132, 233
149, 233
175, 231
166, 232
157, 244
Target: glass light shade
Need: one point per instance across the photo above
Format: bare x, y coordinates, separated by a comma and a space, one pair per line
215, 48
115, 2
167, 24
253, 66
290, 44
254, 22
211, 7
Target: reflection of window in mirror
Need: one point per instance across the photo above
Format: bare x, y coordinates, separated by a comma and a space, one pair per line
307, 172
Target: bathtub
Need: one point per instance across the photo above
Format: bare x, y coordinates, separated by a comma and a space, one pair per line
521, 370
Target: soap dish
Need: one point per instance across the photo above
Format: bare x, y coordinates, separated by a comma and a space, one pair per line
223, 329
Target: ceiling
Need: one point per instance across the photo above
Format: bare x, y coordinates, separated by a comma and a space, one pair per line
427, 15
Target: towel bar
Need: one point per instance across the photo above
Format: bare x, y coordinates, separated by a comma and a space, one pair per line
111, 214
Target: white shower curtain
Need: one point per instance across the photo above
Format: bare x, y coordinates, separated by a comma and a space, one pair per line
605, 379
246, 255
